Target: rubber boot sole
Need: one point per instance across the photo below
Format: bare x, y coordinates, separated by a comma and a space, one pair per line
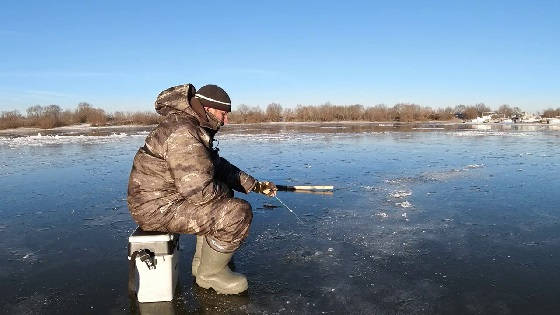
234, 289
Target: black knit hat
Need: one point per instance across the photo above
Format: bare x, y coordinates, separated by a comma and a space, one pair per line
214, 96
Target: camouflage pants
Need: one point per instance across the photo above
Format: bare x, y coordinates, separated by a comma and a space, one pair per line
225, 222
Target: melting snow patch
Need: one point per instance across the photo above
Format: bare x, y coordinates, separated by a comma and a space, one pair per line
400, 194
477, 133
474, 166
282, 136
395, 180
404, 204
263, 137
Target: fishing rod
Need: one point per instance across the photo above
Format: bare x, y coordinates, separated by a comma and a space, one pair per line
304, 188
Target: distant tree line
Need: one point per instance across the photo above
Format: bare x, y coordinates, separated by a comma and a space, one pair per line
400, 112
53, 116
550, 113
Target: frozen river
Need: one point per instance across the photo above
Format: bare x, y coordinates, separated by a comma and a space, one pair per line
425, 219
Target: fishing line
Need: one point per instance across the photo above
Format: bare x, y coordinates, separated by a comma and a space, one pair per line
289, 209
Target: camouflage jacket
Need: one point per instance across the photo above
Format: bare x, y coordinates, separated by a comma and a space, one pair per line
178, 164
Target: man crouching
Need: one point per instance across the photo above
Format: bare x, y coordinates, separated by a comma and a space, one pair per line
180, 184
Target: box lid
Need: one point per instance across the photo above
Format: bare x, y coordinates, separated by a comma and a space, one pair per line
158, 243
140, 236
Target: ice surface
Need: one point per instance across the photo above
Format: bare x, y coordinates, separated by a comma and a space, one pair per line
421, 222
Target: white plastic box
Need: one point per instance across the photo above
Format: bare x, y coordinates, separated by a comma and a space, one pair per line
157, 259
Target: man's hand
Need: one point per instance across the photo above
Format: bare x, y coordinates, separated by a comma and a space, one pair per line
266, 188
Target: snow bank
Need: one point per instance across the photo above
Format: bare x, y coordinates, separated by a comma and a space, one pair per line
479, 133
41, 140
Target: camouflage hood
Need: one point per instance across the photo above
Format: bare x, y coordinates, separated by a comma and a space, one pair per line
174, 98
177, 98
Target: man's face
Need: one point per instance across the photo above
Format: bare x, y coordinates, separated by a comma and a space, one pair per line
220, 114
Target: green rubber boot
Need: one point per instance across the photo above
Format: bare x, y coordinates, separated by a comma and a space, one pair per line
214, 272
197, 253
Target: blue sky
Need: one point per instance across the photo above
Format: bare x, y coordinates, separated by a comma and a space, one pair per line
119, 55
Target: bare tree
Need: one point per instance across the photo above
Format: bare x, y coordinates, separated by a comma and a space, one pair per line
405, 112
11, 119
274, 112
50, 117
288, 114
482, 108
470, 112
355, 112
244, 112
82, 112
377, 113
34, 112
505, 111
443, 114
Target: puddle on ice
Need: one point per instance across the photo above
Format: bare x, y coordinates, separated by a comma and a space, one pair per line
420, 222
270, 206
